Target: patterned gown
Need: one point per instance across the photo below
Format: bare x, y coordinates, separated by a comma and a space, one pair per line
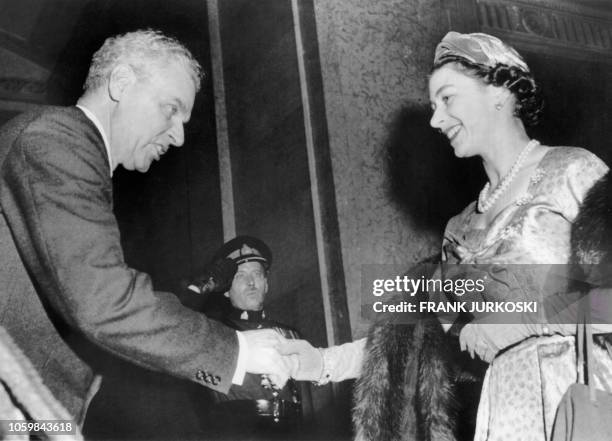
525, 383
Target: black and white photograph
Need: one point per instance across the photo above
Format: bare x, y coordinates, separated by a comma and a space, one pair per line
306, 220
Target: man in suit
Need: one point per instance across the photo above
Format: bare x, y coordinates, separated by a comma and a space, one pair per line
65, 290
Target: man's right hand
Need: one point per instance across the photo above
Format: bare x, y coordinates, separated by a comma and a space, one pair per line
309, 364
264, 358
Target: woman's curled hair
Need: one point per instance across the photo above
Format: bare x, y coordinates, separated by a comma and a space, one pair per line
528, 93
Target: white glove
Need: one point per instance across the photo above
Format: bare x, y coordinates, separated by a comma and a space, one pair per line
307, 361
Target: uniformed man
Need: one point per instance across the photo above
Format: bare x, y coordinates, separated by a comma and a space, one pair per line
255, 407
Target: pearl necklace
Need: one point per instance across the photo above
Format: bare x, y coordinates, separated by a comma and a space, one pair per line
486, 201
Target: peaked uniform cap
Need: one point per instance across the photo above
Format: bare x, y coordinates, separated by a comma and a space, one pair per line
242, 249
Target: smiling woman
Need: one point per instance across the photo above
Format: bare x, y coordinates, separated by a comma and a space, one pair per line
461, 106
483, 95
469, 98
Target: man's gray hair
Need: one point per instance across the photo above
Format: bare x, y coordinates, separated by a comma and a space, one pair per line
140, 49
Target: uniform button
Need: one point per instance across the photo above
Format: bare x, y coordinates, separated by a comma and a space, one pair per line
200, 375
216, 380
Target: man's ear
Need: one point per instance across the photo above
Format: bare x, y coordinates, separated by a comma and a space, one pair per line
121, 77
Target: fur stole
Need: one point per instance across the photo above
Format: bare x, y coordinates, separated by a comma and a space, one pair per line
592, 242
411, 376
406, 388
592, 229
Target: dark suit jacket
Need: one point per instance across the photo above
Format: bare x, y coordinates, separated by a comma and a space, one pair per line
65, 290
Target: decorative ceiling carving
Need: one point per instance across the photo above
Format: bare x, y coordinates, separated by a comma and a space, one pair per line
21, 78
32, 35
23, 89
568, 29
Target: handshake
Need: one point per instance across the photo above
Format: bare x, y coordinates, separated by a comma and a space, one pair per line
271, 354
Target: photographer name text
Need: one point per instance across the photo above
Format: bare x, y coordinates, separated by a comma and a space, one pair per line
456, 307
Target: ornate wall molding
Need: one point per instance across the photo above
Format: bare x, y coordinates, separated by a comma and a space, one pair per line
564, 28
22, 89
7, 106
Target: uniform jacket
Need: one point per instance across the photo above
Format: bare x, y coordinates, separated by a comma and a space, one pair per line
65, 290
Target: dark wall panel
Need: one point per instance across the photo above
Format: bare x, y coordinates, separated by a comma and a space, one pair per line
272, 194
270, 174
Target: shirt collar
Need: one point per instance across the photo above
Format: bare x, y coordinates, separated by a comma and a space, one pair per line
94, 119
249, 316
